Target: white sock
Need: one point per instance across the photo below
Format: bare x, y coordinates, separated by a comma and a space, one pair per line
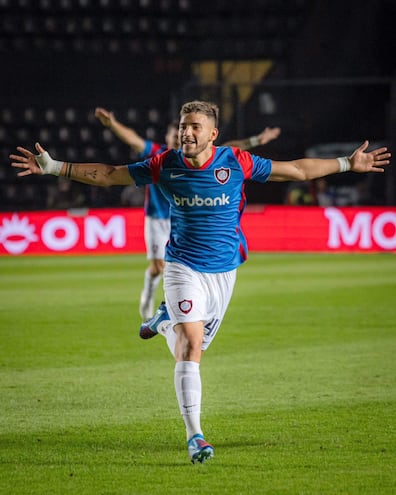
150, 283
189, 392
165, 329
170, 335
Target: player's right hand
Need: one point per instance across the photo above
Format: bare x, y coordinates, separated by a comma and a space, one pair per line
27, 161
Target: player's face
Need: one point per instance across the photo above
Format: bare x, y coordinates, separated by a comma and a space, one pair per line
172, 138
196, 134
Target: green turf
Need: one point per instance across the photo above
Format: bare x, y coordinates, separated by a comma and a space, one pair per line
299, 384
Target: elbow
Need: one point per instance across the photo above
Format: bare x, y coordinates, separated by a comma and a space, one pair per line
300, 174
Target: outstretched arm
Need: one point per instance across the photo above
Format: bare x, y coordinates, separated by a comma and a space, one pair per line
126, 134
312, 168
265, 136
96, 174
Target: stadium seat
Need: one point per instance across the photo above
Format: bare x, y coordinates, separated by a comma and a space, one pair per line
7, 116
51, 116
161, 31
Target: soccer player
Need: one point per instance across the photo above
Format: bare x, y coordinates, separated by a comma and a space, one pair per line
156, 206
204, 185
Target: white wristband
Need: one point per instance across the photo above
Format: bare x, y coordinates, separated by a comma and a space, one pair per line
344, 163
48, 165
254, 141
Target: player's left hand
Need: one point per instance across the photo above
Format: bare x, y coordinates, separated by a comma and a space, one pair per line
374, 161
268, 134
105, 117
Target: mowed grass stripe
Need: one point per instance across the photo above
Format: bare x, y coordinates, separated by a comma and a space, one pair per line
299, 384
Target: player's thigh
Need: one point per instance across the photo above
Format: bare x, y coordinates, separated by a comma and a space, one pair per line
185, 295
156, 235
193, 296
219, 288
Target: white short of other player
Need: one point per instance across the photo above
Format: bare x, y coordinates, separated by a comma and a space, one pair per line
193, 296
156, 235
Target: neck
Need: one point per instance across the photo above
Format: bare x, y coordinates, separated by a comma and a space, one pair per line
199, 160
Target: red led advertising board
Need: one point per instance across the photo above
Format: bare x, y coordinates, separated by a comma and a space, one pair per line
267, 228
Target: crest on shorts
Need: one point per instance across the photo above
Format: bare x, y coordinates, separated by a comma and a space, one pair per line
185, 306
222, 175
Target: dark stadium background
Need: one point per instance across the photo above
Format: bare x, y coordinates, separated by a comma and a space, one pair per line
324, 71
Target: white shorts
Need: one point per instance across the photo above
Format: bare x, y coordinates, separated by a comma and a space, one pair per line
156, 235
194, 296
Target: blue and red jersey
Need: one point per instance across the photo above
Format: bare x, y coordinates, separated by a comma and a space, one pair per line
155, 204
206, 204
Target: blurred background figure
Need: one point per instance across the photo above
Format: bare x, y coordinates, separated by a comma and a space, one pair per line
156, 207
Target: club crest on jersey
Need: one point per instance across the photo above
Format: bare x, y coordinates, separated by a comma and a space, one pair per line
222, 175
185, 306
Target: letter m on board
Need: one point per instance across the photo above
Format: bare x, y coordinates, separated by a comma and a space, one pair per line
358, 233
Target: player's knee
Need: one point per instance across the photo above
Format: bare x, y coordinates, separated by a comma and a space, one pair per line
189, 341
157, 267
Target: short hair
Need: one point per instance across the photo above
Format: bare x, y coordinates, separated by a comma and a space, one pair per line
211, 110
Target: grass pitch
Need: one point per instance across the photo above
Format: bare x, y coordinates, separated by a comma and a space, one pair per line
299, 385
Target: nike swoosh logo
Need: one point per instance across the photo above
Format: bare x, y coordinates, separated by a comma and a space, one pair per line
174, 176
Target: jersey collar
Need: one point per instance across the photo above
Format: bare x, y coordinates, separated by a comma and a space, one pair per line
205, 165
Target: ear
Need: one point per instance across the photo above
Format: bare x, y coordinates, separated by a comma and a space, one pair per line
215, 133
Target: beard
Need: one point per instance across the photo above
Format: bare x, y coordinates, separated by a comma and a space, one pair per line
192, 150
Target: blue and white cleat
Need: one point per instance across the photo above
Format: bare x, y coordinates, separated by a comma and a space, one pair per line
149, 328
199, 449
